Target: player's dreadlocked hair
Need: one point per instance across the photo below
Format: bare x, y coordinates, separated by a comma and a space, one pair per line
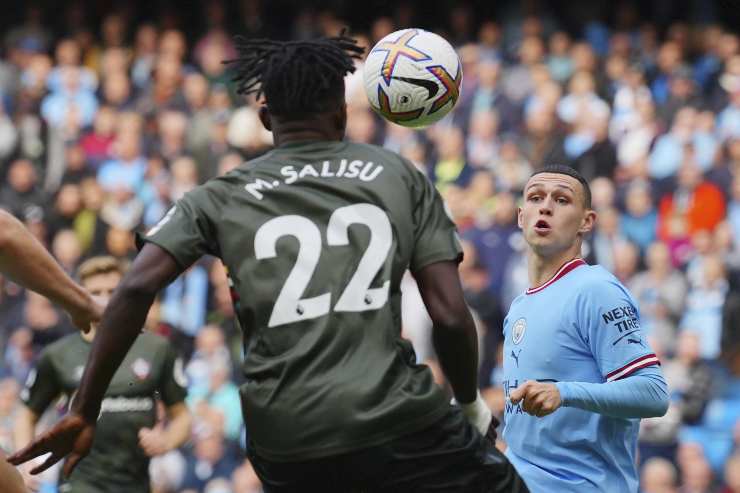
296, 77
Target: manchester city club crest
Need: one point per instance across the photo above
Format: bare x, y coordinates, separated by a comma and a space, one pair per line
141, 368
517, 332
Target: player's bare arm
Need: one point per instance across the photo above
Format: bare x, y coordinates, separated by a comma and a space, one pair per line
152, 269
162, 438
27, 262
454, 337
10, 480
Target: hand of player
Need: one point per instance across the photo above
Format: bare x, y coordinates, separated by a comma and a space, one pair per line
478, 414
538, 399
31, 482
72, 436
153, 441
85, 317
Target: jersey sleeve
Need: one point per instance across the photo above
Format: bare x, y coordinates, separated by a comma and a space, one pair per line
42, 386
435, 235
173, 385
187, 231
609, 322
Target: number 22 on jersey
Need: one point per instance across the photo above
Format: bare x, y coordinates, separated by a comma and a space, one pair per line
357, 296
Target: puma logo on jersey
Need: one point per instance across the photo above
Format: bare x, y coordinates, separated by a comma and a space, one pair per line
516, 357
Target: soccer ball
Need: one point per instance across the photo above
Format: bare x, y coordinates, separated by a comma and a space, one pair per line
412, 77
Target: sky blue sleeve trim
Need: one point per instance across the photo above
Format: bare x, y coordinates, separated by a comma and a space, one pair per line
643, 394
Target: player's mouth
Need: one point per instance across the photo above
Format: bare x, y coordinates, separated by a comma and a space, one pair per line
542, 227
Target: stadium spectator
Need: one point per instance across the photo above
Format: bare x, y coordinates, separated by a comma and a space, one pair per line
117, 91
729, 116
451, 166
172, 126
66, 249
89, 225
220, 395
19, 354
481, 142
210, 345
145, 54
695, 202
67, 205
210, 459
658, 476
124, 173
76, 164
696, 474
607, 237
661, 293
72, 99
691, 377
682, 92
21, 192
488, 96
640, 219
184, 301
9, 395
8, 133
704, 306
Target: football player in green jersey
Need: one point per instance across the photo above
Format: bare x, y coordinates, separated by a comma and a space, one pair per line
316, 236
127, 434
24, 260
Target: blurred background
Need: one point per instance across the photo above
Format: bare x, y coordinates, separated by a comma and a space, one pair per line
110, 111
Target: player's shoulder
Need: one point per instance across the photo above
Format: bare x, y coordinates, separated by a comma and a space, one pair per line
152, 341
593, 274
597, 282
62, 345
65, 342
518, 301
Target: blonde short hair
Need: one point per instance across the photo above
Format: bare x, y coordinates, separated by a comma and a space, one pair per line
104, 264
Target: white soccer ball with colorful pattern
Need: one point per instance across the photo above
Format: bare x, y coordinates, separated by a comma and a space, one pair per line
412, 77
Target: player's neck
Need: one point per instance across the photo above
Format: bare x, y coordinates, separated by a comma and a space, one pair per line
300, 131
542, 268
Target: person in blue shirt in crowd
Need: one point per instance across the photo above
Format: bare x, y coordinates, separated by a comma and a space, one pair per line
578, 373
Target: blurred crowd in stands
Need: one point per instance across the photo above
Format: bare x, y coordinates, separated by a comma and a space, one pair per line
104, 126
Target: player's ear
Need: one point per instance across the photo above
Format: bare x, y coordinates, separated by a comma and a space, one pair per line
264, 114
519, 221
589, 220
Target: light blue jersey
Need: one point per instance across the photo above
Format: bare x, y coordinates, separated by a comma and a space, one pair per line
581, 326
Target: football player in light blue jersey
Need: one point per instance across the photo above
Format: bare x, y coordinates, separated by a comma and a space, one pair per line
578, 372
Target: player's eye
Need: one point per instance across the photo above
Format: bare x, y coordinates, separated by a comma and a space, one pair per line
563, 201
534, 198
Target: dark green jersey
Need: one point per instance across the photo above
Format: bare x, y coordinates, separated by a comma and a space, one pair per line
151, 368
316, 237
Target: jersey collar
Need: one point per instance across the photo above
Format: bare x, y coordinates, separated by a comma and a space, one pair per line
564, 269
